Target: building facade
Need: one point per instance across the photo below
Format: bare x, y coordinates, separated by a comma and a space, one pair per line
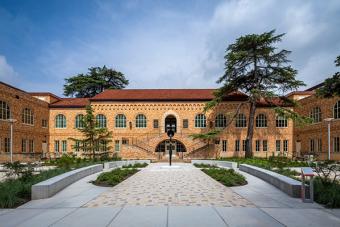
138, 119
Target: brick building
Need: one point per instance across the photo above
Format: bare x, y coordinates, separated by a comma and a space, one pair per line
138, 117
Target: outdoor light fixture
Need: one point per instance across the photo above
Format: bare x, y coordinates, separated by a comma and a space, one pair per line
11, 121
328, 120
170, 132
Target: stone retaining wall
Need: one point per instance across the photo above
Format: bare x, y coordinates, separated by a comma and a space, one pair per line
117, 164
216, 163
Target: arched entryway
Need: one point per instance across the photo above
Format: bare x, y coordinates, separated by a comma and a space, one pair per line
178, 148
170, 120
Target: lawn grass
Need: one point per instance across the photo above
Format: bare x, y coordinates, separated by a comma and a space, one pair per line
114, 177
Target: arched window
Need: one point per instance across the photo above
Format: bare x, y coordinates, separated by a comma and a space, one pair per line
5, 112
220, 121
101, 121
336, 110
241, 121
60, 121
200, 121
140, 121
120, 121
79, 121
27, 116
281, 122
315, 114
261, 121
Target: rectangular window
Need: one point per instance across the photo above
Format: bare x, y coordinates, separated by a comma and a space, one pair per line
125, 141
265, 145
224, 145
23, 146
64, 146
319, 145
96, 143
117, 145
76, 146
237, 145
257, 145
336, 144
155, 123
285, 145
244, 144
311, 145
185, 123
278, 145
31, 146
56, 146
7, 145
44, 123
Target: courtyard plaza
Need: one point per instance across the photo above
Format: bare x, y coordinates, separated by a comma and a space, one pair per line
160, 195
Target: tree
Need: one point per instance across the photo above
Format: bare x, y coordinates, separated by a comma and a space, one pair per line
94, 138
331, 86
254, 66
95, 81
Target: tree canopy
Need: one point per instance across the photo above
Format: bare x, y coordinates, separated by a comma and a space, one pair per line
95, 81
255, 66
331, 86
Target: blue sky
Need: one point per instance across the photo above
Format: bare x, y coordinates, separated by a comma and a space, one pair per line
156, 44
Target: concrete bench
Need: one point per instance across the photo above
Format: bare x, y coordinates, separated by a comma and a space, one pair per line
286, 184
50, 187
117, 164
227, 164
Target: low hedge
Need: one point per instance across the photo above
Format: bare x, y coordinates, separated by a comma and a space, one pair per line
114, 177
137, 165
200, 165
227, 177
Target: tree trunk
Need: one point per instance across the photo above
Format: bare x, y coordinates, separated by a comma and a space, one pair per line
250, 132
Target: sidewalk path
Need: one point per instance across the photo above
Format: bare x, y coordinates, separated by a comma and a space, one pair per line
161, 196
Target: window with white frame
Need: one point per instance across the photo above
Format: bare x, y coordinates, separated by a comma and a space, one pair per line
285, 145
101, 121
241, 121
265, 145
237, 145
77, 146
64, 146
311, 145
23, 145
120, 121
278, 145
281, 122
261, 121
5, 112
31, 146
244, 145
220, 121
44, 123
224, 145
60, 121
79, 121
27, 116
56, 146
336, 110
315, 114
200, 121
7, 145
336, 144
319, 145
140, 121
117, 145
257, 145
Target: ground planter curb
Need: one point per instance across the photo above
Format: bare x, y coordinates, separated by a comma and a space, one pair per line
227, 164
117, 164
286, 184
50, 187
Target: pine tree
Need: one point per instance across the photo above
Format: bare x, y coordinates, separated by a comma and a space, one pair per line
331, 86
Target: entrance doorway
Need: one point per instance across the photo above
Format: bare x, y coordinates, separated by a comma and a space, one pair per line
163, 148
170, 121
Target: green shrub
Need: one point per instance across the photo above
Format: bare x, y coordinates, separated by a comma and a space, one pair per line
227, 177
114, 177
137, 165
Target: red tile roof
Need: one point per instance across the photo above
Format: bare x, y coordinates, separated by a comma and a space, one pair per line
44, 94
161, 95
70, 103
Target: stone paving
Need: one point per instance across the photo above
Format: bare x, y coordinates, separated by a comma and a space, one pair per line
159, 185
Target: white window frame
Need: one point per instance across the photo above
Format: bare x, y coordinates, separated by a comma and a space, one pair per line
220, 121
200, 121
241, 121
120, 121
101, 121
60, 121
224, 145
261, 121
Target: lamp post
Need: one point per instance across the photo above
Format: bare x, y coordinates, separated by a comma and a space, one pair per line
329, 120
11, 121
170, 132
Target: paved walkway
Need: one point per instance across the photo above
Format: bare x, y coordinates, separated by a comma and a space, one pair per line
176, 202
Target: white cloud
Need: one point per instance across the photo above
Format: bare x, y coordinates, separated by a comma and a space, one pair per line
7, 73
